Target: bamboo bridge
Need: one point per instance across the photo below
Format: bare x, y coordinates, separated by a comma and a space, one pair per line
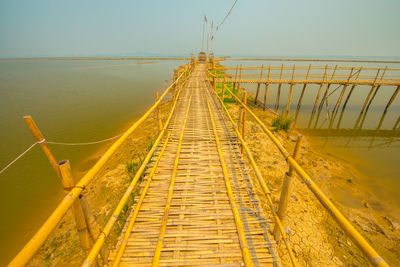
198, 204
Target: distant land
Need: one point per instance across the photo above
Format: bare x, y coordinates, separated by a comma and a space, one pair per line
364, 59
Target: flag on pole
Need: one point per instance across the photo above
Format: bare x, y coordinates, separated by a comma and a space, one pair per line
205, 18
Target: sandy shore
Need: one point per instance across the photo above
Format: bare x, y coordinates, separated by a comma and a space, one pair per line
316, 238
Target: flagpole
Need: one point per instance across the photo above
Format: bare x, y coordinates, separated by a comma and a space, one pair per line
211, 37
208, 41
202, 40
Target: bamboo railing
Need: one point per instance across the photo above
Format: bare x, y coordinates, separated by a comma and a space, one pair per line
75, 191
373, 257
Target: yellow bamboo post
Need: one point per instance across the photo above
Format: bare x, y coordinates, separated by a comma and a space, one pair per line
234, 81
240, 77
69, 184
336, 108
287, 187
215, 83
347, 99
45, 147
244, 119
258, 86
266, 88
93, 226
278, 94
319, 91
301, 96
223, 91
366, 100
159, 113
290, 95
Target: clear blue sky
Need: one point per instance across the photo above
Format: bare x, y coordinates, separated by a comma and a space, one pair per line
255, 27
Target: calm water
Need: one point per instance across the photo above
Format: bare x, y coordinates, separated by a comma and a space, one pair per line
374, 153
71, 101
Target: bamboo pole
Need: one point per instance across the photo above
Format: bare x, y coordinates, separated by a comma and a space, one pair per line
317, 98
376, 90
319, 91
240, 77
158, 113
264, 186
238, 221
278, 94
244, 119
301, 96
259, 84
43, 143
266, 89
164, 221
234, 83
347, 100
223, 92
34, 244
287, 187
366, 101
374, 258
336, 108
68, 183
93, 226
290, 95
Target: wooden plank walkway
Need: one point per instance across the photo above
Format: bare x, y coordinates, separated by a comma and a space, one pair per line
186, 215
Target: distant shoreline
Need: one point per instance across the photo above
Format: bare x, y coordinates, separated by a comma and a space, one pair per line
319, 59
93, 58
188, 58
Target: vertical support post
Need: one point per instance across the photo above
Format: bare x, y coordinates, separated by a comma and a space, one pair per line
93, 226
258, 85
347, 99
278, 94
223, 92
45, 147
234, 82
266, 88
159, 113
240, 77
287, 187
366, 100
215, 82
244, 119
301, 96
68, 183
290, 95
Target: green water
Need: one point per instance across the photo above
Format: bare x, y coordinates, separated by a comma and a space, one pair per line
71, 101
374, 152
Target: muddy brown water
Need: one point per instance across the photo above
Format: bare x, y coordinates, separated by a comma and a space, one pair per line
71, 101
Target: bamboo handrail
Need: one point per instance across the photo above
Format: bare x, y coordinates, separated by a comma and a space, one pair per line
261, 180
238, 221
289, 67
164, 220
107, 229
29, 250
374, 258
132, 221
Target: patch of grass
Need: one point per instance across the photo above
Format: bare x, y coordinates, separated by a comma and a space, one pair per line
282, 123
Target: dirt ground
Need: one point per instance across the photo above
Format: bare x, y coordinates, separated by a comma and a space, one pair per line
63, 248
316, 238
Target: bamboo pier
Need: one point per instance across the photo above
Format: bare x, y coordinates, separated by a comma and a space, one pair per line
200, 186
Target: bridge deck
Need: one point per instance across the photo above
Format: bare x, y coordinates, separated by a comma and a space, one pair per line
200, 228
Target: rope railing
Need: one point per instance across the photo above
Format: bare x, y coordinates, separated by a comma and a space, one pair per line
30, 249
374, 258
18, 157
